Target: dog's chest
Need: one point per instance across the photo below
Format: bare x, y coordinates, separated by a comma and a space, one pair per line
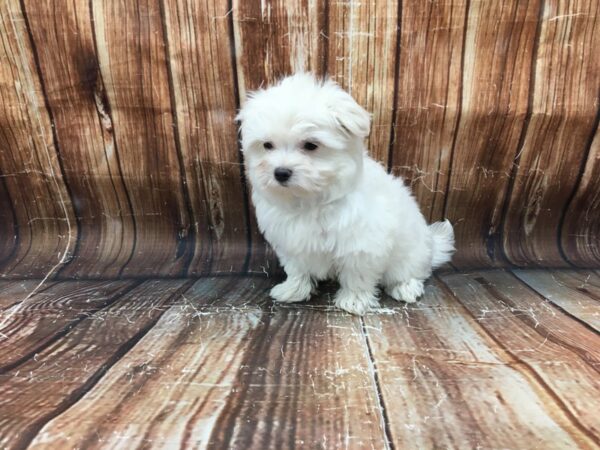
301, 234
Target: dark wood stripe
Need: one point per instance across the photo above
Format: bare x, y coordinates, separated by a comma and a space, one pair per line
108, 112
524, 129
568, 291
579, 231
387, 432
503, 327
398, 55
100, 341
72, 209
143, 129
563, 115
497, 51
50, 315
571, 337
13, 292
28, 158
440, 372
459, 111
186, 245
243, 180
9, 229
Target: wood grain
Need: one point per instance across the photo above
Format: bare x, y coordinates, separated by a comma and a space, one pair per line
482, 360
441, 376
8, 224
291, 393
576, 292
100, 340
170, 388
428, 98
229, 374
85, 135
518, 321
12, 292
362, 52
275, 38
30, 167
499, 41
581, 222
119, 155
556, 141
45, 316
205, 107
133, 64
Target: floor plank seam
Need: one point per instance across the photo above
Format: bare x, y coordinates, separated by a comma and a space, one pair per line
62, 333
78, 394
554, 304
526, 320
385, 422
528, 372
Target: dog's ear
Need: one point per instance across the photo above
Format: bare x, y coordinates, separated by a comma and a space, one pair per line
350, 116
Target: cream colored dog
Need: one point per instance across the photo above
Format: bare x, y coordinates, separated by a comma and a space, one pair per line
326, 207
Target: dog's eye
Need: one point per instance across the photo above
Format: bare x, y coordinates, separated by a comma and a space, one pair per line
268, 145
309, 146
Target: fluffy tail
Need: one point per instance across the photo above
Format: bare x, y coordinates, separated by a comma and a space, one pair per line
443, 242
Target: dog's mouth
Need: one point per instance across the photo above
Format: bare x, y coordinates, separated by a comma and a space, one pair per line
277, 185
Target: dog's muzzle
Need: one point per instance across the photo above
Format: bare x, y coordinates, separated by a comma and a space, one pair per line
282, 174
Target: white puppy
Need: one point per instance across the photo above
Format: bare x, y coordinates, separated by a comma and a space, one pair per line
326, 207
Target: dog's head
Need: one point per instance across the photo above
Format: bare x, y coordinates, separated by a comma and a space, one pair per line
303, 138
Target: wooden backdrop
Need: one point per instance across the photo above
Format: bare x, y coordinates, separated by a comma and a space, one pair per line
119, 155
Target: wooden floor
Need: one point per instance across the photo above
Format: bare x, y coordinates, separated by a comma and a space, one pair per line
491, 360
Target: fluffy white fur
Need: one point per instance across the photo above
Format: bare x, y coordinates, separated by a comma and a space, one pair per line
340, 214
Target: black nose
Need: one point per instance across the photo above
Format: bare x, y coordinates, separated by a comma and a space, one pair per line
282, 174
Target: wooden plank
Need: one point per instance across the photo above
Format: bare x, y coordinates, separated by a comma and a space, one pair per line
29, 326
555, 144
293, 393
498, 47
12, 292
8, 224
581, 221
558, 353
231, 375
428, 99
43, 215
84, 130
171, 387
362, 54
274, 39
132, 57
205, 103
577, 292
446, 384
546, 318
45, 386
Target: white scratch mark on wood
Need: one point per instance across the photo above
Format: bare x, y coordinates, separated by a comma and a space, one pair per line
564, 16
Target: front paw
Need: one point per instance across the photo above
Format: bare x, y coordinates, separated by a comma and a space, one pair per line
291, 291
356, 302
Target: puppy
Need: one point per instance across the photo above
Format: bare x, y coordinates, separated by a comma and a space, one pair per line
328, 209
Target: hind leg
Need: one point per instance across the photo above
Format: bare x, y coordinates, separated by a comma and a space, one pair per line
406, 291
403, 281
